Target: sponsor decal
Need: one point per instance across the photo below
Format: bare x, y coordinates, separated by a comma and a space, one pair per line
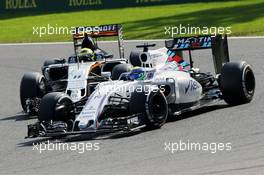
20, 4
192, 86
78, 3
195, 42
104, 30
133, 120
147, 1
88, 112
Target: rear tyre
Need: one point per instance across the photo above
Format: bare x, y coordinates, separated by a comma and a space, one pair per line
118, 70
237, 83
154, 106
32, 86
56, 106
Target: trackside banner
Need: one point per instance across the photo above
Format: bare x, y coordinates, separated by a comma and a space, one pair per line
45, 6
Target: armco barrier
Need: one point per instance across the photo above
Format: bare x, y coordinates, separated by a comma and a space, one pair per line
45, 6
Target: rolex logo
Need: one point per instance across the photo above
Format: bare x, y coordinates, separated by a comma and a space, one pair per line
20, 4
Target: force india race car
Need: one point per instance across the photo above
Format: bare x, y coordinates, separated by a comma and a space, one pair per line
79, 74
161, 85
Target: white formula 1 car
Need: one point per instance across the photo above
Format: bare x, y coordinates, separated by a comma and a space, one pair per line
161, 85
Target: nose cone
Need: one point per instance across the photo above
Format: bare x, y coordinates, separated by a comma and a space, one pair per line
82, 125
86, 124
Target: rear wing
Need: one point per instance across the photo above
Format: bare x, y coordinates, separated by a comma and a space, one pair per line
95, 32
218, 44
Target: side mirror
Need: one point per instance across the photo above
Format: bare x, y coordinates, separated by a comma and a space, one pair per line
169, 44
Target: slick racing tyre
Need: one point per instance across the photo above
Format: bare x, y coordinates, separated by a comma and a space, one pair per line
56, 106
153, 105
118, 70
237, 83
32, 86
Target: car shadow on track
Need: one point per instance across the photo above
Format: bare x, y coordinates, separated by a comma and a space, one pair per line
80, 138
197, 112
34, 142
20, 116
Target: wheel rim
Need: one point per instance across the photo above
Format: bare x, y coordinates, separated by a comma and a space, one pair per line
157, 109
249, 81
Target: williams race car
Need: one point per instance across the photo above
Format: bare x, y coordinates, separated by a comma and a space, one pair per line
161, 84
78, 75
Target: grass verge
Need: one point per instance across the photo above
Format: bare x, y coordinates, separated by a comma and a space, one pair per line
245, 17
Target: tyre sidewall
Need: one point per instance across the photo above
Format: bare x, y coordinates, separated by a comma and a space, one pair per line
30, 87
233, 84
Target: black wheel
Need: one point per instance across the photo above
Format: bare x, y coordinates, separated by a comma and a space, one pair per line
154, 106
56, 106
118, 70
32, 86
237, 83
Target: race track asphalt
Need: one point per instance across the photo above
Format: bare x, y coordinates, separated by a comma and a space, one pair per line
140, 153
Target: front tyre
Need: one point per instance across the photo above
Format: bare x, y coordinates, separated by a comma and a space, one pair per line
56, 106
237, 83
153, 105
32, 87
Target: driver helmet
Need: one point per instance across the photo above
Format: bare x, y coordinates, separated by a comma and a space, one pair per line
86, 54
88, 42
137, 73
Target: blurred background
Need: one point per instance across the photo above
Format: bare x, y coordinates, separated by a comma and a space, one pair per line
142, 19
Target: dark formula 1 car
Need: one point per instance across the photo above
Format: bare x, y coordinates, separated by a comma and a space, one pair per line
146, 96
78, 75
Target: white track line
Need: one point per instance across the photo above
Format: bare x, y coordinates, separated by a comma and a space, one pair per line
126, 41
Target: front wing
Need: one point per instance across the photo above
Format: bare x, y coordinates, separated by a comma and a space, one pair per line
107, 126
